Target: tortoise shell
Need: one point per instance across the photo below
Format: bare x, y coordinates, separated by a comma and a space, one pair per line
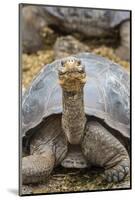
85, 20
106, 94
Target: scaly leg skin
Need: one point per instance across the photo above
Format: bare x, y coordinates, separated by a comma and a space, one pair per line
102, 149
124, 50
36, 168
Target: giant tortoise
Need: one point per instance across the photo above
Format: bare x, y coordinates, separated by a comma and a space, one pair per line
76, 113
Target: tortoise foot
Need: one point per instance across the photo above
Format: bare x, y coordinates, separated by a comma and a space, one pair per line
117, 173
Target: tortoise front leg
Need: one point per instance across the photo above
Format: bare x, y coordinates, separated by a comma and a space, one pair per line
102, 149
36, 168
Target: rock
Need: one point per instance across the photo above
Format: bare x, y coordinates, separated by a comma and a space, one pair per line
91, 23
32, 22
68, 45
124, 50
35, 33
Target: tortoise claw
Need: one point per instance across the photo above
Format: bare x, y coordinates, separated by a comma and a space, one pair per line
117, 173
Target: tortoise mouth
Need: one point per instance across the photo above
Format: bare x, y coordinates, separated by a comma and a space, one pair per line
72, 77
72, 83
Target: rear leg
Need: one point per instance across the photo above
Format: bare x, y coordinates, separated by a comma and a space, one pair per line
102, 149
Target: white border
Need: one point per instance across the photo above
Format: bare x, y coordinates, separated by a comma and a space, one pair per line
9, 99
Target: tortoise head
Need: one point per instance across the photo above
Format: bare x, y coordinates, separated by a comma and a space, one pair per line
72, 76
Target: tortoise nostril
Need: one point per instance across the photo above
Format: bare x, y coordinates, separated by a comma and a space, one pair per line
72, 65
71, 61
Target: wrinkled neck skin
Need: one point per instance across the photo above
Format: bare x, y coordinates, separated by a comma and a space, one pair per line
73, 117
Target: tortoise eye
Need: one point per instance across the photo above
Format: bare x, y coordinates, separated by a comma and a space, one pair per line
62, 62
78, 62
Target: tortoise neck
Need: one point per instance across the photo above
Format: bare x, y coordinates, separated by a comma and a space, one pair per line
73, 117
